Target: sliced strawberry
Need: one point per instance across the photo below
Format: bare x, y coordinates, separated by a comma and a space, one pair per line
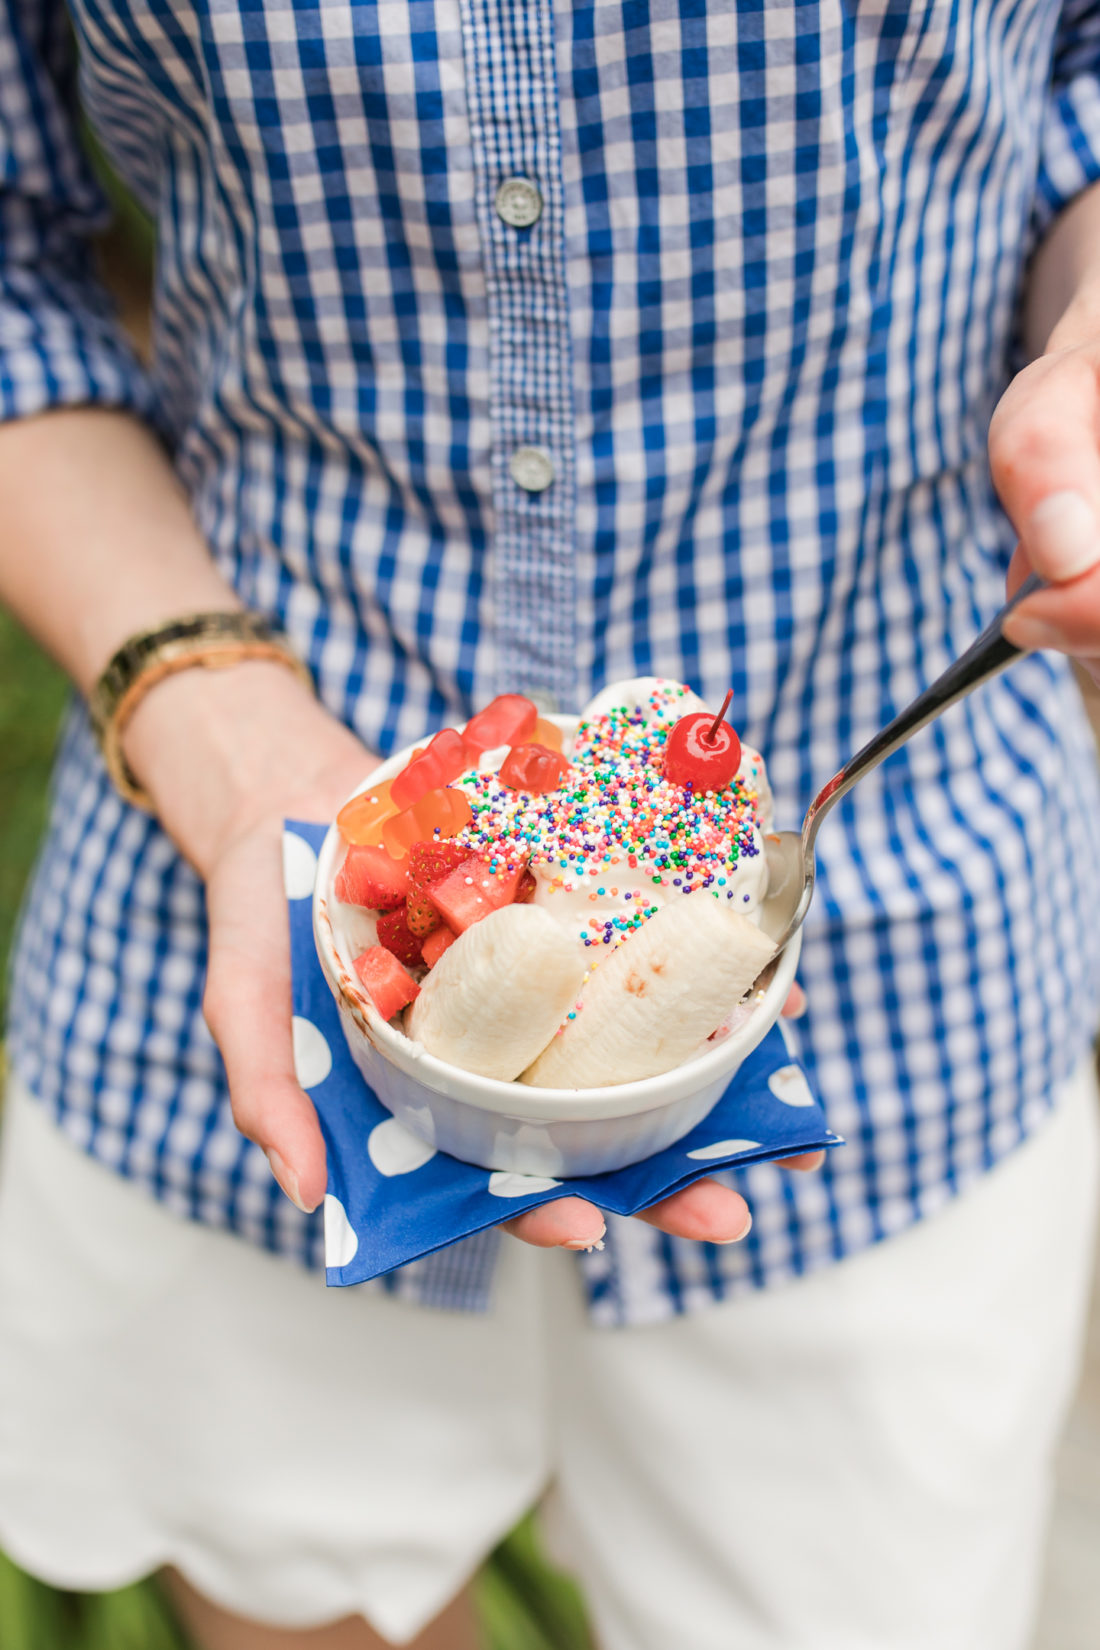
430, 861
440, 940
525, 893
396, 935
383, 976
420, 914
472, 890
370, 877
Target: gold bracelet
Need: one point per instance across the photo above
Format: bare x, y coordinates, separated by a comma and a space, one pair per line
212, 641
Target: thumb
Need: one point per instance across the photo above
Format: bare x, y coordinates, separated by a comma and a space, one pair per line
247, 1004
1045, 461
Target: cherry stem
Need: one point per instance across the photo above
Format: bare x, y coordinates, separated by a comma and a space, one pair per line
712, 732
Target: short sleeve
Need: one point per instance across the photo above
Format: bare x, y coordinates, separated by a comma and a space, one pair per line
60, 341
1069, 155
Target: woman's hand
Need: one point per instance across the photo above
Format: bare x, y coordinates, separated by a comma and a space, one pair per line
271, 752
1044, 450
1044, 443
226, 757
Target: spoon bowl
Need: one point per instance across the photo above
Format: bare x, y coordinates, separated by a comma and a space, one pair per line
790, 883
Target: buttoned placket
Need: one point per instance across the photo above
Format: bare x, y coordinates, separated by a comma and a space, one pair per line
513, 110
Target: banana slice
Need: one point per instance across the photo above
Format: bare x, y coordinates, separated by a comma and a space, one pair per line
498, 994
651, 1002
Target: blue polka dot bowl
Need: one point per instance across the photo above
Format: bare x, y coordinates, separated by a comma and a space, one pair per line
511, 1126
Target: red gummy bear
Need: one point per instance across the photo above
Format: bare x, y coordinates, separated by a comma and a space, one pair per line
534, 769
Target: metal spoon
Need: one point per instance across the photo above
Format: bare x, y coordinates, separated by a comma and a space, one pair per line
790, 854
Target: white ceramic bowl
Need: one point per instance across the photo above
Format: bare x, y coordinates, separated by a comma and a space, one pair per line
537, 1131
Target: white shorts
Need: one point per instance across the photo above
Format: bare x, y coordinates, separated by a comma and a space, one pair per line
858, 1461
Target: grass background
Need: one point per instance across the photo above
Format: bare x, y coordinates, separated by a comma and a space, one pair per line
522, 1603
32, 696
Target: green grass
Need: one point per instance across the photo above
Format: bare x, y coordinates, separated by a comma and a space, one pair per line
32, 694
36, 1617
525, 1605
522, 1603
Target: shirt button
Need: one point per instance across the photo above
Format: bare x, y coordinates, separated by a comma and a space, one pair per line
519, 203
531, 468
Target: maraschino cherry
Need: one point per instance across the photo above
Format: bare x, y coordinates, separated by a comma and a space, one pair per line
703, 751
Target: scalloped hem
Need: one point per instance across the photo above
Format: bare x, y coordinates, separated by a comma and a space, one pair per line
171, 1395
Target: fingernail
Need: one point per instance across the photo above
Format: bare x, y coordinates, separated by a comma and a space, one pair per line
588, 1242
1028, 634
743, 1233
1063, 536
287, 1179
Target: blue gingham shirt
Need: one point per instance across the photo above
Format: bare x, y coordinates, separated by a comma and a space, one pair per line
757, 331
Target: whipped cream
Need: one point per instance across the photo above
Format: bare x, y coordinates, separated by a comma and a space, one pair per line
617, 841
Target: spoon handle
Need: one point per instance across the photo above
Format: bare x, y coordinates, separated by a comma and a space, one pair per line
984, 659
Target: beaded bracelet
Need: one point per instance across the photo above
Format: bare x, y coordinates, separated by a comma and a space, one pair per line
212, 641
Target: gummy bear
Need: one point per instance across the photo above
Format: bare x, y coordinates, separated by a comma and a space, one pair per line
360, 820
548, 734
506, 720
445, 811
442, 760
534, 769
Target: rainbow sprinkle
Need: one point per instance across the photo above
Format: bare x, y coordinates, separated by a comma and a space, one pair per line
616, 820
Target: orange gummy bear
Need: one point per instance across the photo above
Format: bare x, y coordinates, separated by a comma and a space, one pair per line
360, 821
445, 811
546, 733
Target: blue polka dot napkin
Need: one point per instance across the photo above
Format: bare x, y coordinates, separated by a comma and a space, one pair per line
392, 1199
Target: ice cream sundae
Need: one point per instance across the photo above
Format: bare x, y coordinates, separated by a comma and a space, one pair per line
565, 912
